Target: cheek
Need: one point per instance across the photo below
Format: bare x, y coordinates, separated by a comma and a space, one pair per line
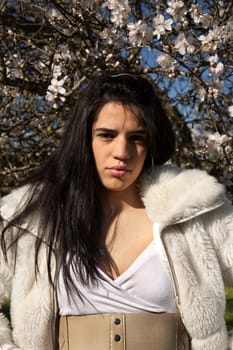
95, 149
95, 154
98, 153
142, 159
142, 154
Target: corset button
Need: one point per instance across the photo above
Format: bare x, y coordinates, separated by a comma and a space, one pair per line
117, 337
117, 321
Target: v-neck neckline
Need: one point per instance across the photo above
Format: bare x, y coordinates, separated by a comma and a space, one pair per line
130, 268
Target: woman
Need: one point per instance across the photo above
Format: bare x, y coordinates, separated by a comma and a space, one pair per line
106, 247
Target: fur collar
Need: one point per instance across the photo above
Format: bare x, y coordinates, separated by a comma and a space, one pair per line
170, 195
173, 195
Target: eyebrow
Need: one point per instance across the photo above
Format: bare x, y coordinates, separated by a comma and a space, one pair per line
136, 131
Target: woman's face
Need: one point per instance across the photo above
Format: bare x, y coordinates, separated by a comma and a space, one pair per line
119, 145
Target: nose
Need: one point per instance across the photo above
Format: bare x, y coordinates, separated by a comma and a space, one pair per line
121, 149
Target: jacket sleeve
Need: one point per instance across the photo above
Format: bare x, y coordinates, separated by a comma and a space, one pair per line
6, 273
219, 224
220, 227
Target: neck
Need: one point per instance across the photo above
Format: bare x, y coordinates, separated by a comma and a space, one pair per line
117, 202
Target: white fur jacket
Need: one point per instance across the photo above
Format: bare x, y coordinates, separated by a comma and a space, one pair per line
195, 223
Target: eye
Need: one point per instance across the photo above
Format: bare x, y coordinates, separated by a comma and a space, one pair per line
105, 135
141, 139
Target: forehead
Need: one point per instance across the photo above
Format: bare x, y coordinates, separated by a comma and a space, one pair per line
117, 114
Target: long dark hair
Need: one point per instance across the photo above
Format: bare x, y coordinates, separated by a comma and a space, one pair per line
66, 191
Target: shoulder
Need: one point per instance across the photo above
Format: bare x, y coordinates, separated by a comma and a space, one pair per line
14, 202
173, 194
13, 205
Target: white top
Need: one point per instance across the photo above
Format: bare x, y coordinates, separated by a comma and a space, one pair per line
144, 287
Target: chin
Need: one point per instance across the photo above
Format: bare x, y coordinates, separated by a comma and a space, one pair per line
115, 188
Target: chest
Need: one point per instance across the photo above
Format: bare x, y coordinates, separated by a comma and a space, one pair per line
127, 237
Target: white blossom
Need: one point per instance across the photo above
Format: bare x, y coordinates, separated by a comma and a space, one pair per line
56, 90
202, 93
110, 35
50, 96
57, 70
211, 41
190, 49
54, 13
176, 9
213, 60
161, 25
230, 110
216, 145
221, 8
216, 67
56, 86
139, 33
119, 11
213, 92
63, 54
181, 44
195, 12
165, 61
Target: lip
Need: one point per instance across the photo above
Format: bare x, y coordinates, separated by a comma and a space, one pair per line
118, 170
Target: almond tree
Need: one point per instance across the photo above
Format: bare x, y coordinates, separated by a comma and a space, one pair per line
50, 49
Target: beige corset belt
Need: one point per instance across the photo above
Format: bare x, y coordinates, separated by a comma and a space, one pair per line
123, 331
